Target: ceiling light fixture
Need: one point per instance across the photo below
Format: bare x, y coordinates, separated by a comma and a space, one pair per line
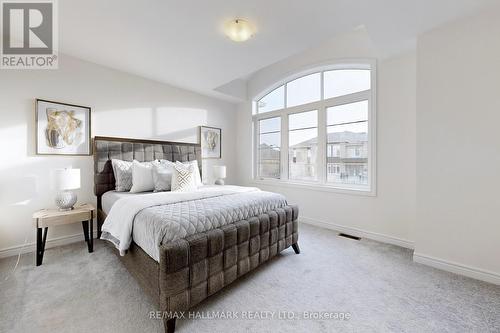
239, 30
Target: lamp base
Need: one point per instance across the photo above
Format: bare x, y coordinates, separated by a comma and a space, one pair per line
65, 200
219, 181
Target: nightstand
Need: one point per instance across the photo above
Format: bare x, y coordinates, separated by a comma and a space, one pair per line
45, 218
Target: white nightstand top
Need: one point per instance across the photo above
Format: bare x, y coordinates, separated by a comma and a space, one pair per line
52, 217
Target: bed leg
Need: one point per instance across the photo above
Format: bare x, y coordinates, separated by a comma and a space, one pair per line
169, 325
296, 248
99, 228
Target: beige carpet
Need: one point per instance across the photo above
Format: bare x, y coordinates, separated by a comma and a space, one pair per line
378, 285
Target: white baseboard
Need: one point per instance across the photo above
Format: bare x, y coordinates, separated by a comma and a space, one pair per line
31, 247
360, 233
453, 267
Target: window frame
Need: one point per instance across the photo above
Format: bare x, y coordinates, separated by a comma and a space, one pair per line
322, 105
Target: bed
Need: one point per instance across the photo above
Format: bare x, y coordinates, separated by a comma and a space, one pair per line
240, 228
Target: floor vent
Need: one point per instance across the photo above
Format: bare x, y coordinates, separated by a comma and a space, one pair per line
349, 236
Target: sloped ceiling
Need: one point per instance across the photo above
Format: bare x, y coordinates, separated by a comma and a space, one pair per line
180, 42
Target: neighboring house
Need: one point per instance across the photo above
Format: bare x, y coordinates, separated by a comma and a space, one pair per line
303, 160
347, 158
269, 161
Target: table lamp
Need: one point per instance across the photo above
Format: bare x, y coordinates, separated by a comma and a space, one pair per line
219, 174
65, 181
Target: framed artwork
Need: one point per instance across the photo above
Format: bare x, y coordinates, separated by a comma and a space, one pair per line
211, 140
62, 129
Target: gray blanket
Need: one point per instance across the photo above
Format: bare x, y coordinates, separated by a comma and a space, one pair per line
157, 225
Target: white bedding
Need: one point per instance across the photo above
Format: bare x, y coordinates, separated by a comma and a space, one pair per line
109, 198
119, 224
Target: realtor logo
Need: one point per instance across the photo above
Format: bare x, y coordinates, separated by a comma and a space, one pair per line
29, 35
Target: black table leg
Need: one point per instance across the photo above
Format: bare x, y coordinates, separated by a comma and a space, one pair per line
85, 225
88, 232
41, 237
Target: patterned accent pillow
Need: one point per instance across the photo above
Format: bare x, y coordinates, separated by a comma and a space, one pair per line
197, 175
123, 175
183, 178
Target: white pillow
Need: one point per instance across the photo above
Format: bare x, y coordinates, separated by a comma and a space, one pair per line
142, 177
183, 178
162, 175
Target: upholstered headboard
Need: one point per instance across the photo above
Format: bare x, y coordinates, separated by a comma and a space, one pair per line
106, 148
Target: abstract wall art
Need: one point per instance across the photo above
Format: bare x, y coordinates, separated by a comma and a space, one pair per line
211, 140
62, 129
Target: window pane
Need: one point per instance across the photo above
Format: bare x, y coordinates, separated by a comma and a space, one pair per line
270, 125
275, 100
303, 138
303, 120
302, 154
347, 113
347, 153
269, 167
269, 155
345, 81
303, 145
269, 163
270, 139
303, 90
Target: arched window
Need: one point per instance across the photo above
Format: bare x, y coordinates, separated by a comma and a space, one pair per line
317, 128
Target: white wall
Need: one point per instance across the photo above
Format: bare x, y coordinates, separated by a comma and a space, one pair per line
122, 105
391, 214
458, 140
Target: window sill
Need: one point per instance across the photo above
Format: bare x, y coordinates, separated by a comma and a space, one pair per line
316, 187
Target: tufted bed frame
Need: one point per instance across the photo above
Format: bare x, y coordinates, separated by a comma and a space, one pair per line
192, 269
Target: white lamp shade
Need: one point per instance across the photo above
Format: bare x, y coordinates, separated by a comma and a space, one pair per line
67, 179
220, 171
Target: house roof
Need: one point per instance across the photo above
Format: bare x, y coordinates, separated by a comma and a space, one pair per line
337, 137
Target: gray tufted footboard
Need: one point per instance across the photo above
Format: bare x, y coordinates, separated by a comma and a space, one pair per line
194, 268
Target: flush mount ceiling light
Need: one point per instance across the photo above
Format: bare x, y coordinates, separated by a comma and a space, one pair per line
239, 30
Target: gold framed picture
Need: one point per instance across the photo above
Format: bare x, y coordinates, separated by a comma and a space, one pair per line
62, 129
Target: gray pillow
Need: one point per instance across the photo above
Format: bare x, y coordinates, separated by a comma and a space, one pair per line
123, 175
162, 175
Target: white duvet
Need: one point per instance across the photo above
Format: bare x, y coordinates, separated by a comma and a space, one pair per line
117, 227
